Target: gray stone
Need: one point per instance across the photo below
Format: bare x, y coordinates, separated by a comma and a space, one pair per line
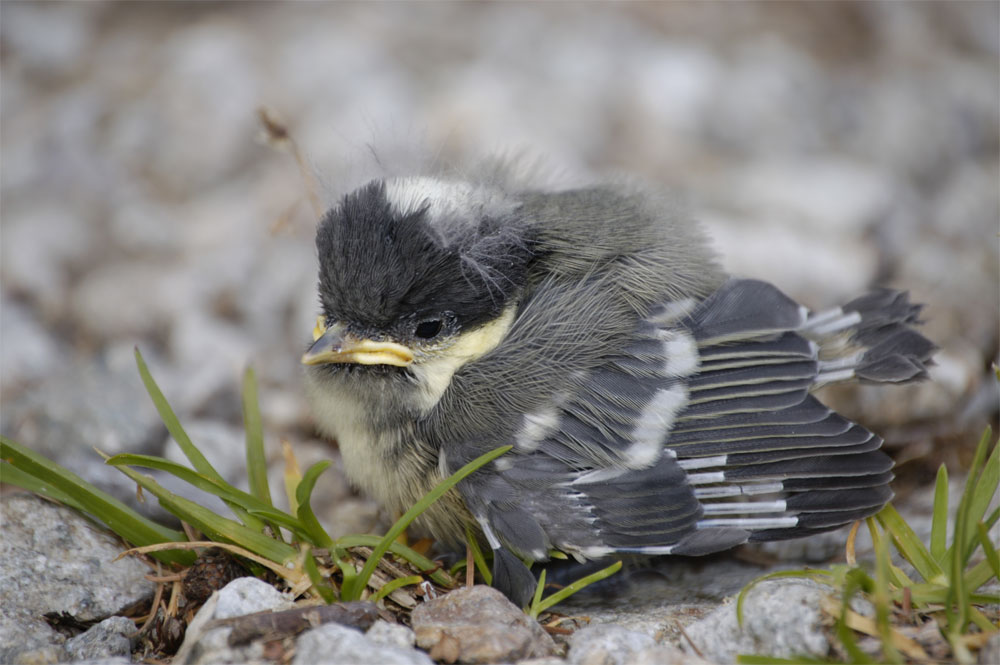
478, 625
391, 634
207, 645
54, 560
246, 595
110, 638
606, 644
333, 644
989, 654
665, 654
781, 618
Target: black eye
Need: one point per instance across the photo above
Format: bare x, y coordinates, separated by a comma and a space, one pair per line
428, 329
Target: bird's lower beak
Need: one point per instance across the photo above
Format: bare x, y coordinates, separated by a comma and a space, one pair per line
336, 345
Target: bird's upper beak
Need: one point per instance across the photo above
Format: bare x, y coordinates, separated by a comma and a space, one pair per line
336, 345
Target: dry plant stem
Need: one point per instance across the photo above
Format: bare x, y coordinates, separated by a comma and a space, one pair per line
868, 626
157, 599
176, 591
291, 575
691, 642
278, 135
849, 553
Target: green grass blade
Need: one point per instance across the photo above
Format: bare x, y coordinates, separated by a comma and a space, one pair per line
245, 506
855, 580
303, 494
12, 475
984, 487
957, 610
256, 458
212, 525
197, 459
477, 556
982, 620
883, 603
536, 601
909, 545
321, 585
979, 574
169, 418
570, 589
126, 522
992, 554
417, 560
976, 497
939, 521
353, 591
397, 583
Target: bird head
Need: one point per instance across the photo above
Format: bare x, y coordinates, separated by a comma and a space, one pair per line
416, 277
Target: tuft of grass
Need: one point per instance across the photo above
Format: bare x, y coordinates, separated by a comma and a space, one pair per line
948, 588
539, 604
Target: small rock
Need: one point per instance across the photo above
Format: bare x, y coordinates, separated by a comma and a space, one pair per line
333, 644
54, 560
391, 634
606, 644
205, 644
781, 619
246, 595
478, 625
990, 653
109, 638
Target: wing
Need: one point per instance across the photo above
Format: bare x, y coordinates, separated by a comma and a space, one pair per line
699, 432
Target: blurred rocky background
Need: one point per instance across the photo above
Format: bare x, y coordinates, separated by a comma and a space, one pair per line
828, 147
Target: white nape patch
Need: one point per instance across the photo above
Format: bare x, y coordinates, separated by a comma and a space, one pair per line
491, 537
433, 371
453, 205
503, 464
830, 321
706, 478
702, 462
655, 421
737, 490
672, 312
536, 427
599, 476
681, 353
749, 523
749, 507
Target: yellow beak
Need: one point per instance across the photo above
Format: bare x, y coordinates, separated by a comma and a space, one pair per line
336, 345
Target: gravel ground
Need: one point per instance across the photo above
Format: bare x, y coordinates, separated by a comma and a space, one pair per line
828, 147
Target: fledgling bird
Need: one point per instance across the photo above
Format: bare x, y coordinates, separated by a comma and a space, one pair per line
655, 405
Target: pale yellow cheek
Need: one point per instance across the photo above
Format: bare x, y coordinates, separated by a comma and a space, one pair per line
434, 372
